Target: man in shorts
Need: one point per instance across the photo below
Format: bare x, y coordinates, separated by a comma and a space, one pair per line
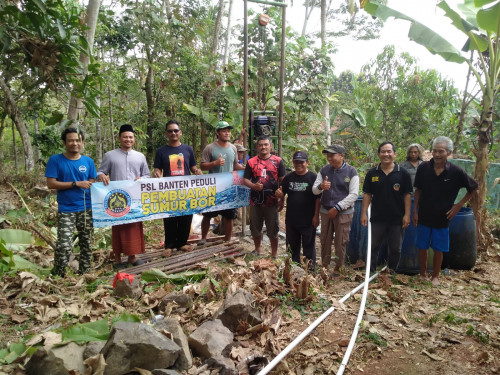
437, 183
263, 175
218, 157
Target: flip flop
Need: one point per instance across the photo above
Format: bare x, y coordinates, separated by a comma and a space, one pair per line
138, 262
335, 275
201, 242
119, 266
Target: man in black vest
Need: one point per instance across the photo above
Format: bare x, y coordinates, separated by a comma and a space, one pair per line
338, 182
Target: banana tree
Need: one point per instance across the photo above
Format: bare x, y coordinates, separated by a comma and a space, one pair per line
479, 20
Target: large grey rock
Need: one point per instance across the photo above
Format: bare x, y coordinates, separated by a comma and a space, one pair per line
210, 339
137, 345
125, 288
183, 301
223, 364
57, 360
165, 372
185, 359
44, 362
72, 356
93, 348
238, 307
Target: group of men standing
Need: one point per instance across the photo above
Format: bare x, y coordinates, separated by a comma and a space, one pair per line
388, 188
329, 195
72, 175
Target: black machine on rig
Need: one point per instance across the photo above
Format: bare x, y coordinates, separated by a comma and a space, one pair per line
263, 123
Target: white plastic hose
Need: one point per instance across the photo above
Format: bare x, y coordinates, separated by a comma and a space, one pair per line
309, 329
361, 311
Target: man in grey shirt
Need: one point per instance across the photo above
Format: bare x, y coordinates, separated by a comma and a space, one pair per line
124, 163
220, 156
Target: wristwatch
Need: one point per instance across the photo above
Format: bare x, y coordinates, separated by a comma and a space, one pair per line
73, 184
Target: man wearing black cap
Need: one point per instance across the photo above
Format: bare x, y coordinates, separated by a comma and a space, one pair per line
338, 182
220, 156
302, 209
124, 163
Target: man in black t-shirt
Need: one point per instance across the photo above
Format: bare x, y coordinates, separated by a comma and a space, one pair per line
388, 188
175, 159
302, 209
437, 183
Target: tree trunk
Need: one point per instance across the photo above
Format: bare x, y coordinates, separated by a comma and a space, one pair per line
309, 6
228, 35
98, 136
326, 106
211, 68
75, 102
110, 105
148, 86
10, 107
463, 109
484, 134
36, 151
14, 148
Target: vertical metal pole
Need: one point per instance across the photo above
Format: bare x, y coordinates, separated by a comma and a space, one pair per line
282, 80
245, 101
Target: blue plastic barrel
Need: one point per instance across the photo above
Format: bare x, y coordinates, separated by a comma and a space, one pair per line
358, 236
463, 243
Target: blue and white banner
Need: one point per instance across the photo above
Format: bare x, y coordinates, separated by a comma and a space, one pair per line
128, 201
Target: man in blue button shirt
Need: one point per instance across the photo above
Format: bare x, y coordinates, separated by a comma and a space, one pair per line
72, 174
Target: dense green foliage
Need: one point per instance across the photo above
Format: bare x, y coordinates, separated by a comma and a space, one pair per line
154, 61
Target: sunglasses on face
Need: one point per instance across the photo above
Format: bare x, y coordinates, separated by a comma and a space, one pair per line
173, 130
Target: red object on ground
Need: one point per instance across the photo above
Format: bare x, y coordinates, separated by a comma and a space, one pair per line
122, 275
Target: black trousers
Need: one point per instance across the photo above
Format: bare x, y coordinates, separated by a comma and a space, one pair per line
394, 235
177, 230
301, 236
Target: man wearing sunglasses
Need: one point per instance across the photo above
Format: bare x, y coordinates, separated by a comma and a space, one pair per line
175, 159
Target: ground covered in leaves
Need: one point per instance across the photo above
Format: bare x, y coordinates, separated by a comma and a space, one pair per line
409, 326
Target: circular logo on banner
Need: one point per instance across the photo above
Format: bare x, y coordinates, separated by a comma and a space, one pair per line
117, 203
396, 187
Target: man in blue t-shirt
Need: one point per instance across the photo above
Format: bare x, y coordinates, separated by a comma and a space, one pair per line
175, 159
72, 174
